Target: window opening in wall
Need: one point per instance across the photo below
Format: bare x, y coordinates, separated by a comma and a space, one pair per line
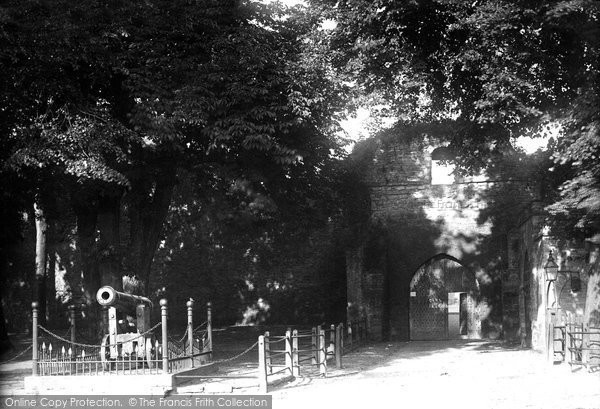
442, 166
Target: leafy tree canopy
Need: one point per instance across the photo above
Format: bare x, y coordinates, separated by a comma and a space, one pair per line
496, 68
88, 84
110, 103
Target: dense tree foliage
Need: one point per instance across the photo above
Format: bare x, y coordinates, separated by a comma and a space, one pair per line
204, 133
498, 68
107, 107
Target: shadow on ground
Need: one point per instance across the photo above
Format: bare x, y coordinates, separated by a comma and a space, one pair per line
235, 355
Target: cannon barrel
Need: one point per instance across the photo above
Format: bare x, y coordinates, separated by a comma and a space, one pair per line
109, 297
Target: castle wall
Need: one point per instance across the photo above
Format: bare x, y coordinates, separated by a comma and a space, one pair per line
539, 299
419, 220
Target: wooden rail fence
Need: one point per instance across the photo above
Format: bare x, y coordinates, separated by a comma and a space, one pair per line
577, 344
306, 352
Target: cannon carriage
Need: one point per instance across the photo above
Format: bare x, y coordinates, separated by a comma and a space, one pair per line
127, 318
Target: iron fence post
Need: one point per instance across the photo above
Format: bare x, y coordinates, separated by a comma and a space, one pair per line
209, 328
34, 335
190, 329
165, 349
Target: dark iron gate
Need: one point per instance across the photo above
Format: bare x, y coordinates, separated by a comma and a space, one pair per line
428, 303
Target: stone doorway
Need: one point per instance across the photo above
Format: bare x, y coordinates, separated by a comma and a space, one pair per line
442, 301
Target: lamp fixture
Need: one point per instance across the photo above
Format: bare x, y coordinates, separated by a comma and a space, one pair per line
551, 268
552, 272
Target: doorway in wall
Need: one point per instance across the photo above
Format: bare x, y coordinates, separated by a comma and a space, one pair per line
442, 301
458, 322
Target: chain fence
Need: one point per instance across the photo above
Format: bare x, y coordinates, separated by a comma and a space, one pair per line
20, 354
96, 345
233, 358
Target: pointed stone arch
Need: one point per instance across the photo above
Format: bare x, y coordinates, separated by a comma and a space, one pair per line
443, 300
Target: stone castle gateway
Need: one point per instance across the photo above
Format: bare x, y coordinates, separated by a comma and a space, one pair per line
431, 264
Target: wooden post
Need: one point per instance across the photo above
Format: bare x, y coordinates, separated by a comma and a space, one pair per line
73, 324
341, 338
550, 337
262, 367
190, 329
322, 353
268, 353
313, 346
350, 334
338, 346
318, 352
34, 335
209, 328
568, 343
332, 336
288, 351
295, 361
165, 349
551, 330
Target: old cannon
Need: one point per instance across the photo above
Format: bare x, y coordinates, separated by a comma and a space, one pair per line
128, 317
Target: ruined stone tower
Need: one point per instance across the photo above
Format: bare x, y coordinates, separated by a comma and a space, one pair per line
430, 264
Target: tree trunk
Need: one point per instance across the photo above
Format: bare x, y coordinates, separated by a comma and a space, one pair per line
147, 218
51, 304
9, 237
39, 284
87, 282
5, 344
109, 263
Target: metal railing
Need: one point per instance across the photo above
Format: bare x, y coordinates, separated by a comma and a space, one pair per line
75, 361
136, 353
194, 349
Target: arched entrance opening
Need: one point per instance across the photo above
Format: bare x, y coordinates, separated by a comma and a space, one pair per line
443, 301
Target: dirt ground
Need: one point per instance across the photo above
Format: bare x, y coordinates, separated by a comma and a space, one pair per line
450, 374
